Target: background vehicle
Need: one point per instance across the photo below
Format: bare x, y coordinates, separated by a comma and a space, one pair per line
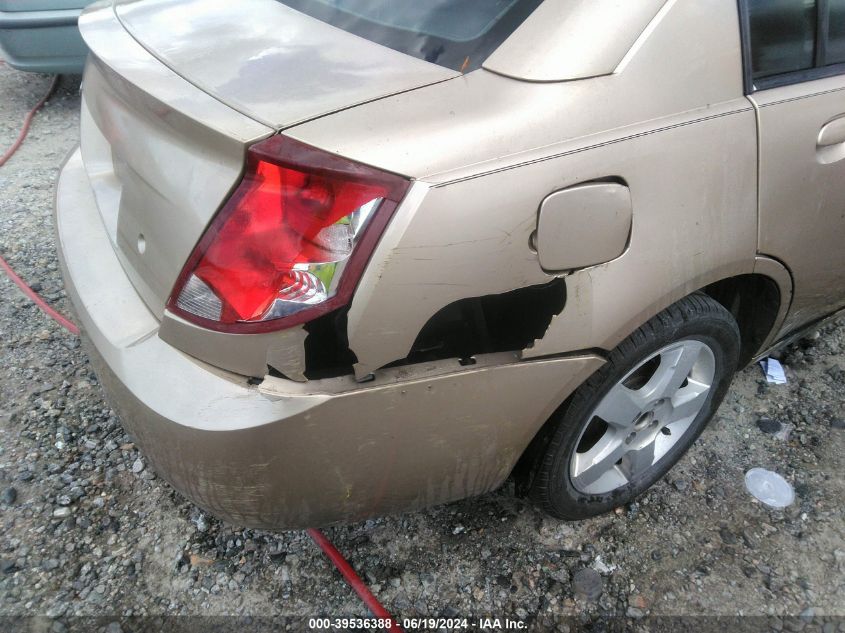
42, 36
545, 241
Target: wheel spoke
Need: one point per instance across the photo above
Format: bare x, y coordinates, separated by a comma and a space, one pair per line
590, 466
689, 402
675, 365
637, 461
620, 407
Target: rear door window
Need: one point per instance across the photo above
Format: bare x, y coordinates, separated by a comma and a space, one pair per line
835, 50
789, 41
783, 36
458, 34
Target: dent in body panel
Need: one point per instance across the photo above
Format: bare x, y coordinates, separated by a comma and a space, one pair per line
488, 324
438, 250
288, 355
245, 354
577, 316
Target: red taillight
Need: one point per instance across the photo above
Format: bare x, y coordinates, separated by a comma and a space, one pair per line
291, 242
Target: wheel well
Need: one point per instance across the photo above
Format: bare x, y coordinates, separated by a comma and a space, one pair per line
754, 301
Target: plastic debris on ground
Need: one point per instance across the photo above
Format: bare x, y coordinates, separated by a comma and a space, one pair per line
769, 487
774, 371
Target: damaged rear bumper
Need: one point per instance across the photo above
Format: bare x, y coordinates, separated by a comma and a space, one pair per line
288, 455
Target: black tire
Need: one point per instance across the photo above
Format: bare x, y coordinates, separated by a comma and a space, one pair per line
697, 317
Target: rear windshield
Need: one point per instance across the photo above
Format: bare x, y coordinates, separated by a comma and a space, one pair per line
458, 34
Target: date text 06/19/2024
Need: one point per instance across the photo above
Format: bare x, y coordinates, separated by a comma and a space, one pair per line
417, 624
477, 624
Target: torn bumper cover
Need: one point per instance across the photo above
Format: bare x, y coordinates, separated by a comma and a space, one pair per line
290, 455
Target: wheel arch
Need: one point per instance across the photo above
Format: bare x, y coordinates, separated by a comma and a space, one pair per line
759, 300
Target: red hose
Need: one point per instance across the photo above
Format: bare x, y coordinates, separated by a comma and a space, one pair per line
29, 292
353, 579
28, 121
329, 550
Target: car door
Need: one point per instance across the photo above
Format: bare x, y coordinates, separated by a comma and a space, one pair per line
795, 77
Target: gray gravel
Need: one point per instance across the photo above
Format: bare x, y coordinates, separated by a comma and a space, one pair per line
86, 528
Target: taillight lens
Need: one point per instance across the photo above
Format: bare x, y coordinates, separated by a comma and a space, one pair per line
291, 242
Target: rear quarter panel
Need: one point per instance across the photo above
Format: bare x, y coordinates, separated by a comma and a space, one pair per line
671, 122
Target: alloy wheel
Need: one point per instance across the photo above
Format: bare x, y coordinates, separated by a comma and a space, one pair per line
642, 417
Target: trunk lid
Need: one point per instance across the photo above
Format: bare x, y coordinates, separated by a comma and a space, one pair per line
268, 61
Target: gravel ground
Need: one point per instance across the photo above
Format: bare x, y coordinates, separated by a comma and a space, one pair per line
87, 529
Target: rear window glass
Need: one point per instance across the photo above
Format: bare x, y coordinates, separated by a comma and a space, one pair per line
454, 33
